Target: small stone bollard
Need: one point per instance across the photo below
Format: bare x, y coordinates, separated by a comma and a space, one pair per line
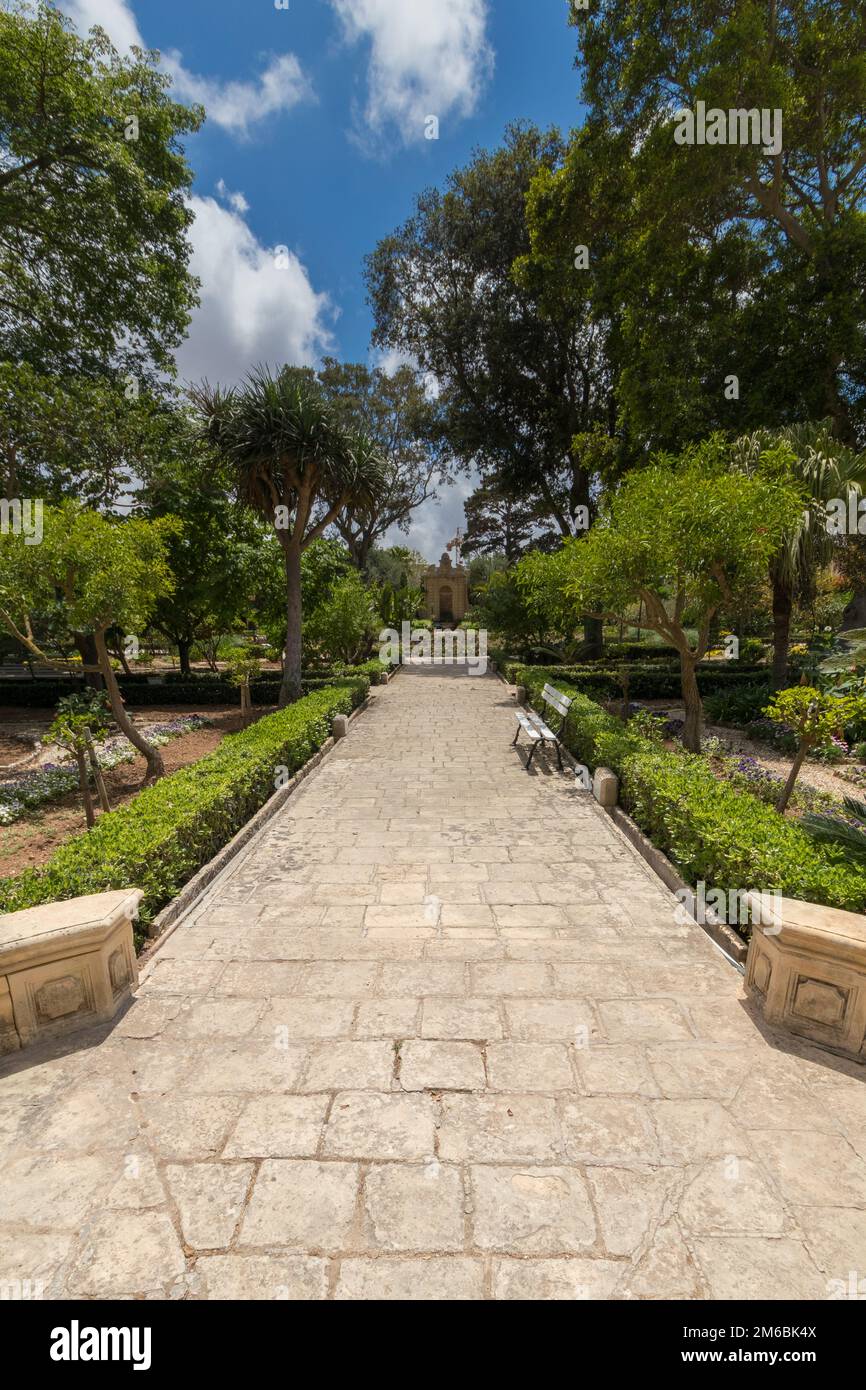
341, 726
605, 787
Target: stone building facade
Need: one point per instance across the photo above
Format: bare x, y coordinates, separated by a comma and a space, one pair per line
446, 590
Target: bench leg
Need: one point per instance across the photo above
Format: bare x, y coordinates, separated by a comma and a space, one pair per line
559, 756
516, 737
532, 753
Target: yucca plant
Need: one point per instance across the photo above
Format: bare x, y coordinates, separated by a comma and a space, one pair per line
832, 830
296, 466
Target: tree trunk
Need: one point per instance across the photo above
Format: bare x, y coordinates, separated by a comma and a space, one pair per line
86, 644
290, 689
593, 636
85, 788
792, 777
183, 650
693, 704
97, 774
153, 757
120, 653
854, 615
783, 604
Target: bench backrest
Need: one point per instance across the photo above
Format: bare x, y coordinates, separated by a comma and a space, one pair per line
555, 698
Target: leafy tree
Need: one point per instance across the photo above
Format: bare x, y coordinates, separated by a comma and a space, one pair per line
344, 624
688, 537
396, 414
242, 667
781, 231
296, 466
78, 720
93, 207
96, 573
825, 470
814, 717
499, 522
395, 566
520, 380
222, 560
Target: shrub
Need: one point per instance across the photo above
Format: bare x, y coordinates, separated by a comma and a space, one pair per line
159, 840
711, 831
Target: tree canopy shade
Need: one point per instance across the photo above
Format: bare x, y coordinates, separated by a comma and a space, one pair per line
93, 573
499, 522
781, 234
93, 212
688, 537
296, 466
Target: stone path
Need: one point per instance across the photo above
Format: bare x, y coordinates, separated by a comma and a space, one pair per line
435, 1035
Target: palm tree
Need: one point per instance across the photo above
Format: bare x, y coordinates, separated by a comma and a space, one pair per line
295, 465
827, 469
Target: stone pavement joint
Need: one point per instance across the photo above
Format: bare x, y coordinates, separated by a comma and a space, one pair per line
436, 1035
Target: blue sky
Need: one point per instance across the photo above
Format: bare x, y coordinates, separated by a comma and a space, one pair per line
315, 148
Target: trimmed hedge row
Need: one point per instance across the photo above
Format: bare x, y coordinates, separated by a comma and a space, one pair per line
159, 840
711, 831
202, 688
648, 682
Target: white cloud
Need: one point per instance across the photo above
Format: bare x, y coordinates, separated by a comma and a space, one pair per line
429, 59
434, 524
251, 310
237, 201
235, 106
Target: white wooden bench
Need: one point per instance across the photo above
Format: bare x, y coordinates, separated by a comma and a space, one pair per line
535, 728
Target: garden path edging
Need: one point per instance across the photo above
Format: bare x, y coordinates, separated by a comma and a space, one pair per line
171, 916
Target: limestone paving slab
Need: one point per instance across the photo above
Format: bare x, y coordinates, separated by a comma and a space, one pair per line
434, 1034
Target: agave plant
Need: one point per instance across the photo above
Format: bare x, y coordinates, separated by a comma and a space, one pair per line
849, 835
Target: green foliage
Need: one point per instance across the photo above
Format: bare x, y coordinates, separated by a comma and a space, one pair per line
400, 605
159, 840
813, 715
711, 831
847, 833
82, 713
344, 625
93, 226
107, 573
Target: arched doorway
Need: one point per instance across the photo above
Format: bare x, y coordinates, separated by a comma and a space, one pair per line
446, 604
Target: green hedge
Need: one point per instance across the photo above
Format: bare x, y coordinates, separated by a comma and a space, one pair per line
201, 688
159, 840
647, 681
711, 831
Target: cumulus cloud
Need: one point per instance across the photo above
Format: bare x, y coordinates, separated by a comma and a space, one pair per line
237, 201
434, 524
235, 106
257, 303
430, 59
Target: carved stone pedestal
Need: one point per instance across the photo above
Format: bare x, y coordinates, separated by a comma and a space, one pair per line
807, 971
65, 966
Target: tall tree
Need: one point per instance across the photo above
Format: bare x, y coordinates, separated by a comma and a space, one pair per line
394, 411
498, 522
778, 226
296, 466
93, 209
518, 379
